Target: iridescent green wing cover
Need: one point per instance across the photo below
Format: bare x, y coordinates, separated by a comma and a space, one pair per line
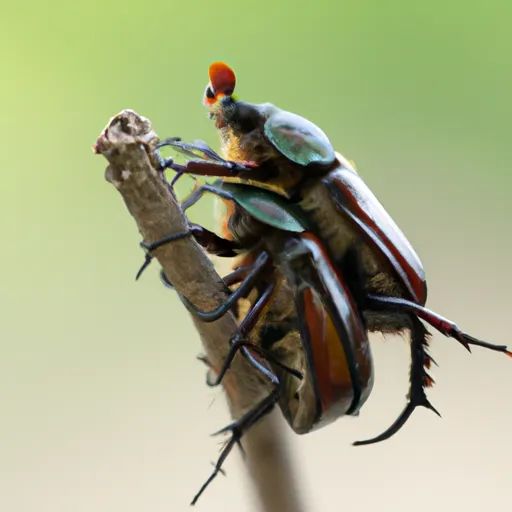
298, 139
266, 206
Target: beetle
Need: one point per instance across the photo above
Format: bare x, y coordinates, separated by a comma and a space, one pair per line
288, 158
332, 374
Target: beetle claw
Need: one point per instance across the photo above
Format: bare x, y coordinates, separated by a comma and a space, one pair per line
428, 405
149, 248
491, 346
235, 440
237, 429
400, 421
229, 428
464, 343
419, 380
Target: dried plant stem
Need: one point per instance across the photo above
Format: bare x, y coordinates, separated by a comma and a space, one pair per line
128, 143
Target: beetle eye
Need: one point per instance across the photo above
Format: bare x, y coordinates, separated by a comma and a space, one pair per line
209, 93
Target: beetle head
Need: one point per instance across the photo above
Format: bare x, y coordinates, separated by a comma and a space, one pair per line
225, 108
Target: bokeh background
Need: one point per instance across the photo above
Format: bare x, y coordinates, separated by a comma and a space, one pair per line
103, 405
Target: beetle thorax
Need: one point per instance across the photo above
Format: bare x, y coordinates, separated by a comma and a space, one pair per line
240, 126
249, 147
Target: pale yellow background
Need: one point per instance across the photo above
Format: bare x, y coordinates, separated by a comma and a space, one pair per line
103, 405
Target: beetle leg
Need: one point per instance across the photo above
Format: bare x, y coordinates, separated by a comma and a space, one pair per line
205, 167
238, 275
163, 163
240, 342
439, 323
213, 167
206, 153
210, 241
151, 247
213, 243
238, 429
197, 194
419, 380
186, 149
232, 278
230, 302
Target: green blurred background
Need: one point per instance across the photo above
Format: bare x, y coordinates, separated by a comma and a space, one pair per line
103, 404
